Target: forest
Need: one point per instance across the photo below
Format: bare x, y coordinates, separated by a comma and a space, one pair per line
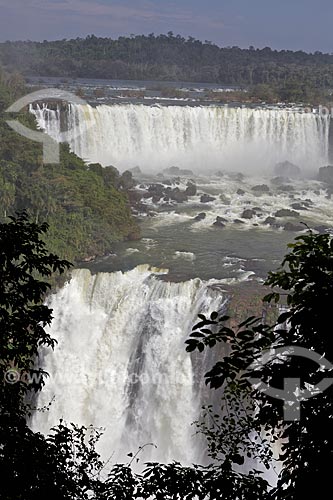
166, 57
86, 207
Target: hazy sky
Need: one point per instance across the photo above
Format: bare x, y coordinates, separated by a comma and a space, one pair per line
294, 24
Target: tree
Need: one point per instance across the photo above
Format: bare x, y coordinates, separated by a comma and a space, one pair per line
304, 284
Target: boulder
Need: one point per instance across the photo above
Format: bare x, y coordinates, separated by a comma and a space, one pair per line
200, 216
298, 206
218, 224
241, 192
221, 219
270, 220
135, 171
206, 198
191, 189
287, 169
238, 221
178, 196
286, 188
291, 226
326, 174
248, 213
277, 181
177, 171
261, 188
285, 212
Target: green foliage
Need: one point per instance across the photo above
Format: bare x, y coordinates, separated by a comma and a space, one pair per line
306, 446
86, 207
168, 57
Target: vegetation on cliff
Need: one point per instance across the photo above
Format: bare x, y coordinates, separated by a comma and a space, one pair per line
86, 207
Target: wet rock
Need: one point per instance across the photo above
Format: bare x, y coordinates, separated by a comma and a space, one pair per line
191, 189
219, 173
241, 192
218, 224
260, 188
277, 181
178, 195
157, 197
225, 200
156, 188
321, 229
238, 176
221, 219
177, 171
326, 174
286, 188
206, 198
270, 220
200, 216
287, 169
238, 221
298, 206
248, 213
285, 212
135, 171
291, 226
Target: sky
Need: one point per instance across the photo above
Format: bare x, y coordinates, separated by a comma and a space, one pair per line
281, 24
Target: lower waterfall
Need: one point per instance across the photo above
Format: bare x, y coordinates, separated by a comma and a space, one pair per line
120, 362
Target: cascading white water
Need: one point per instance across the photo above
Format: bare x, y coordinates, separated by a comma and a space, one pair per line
120, 362
200, 138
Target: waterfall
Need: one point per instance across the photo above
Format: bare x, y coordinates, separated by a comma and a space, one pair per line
120, 362
202, 138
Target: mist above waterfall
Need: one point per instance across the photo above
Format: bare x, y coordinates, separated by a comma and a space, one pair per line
203, 139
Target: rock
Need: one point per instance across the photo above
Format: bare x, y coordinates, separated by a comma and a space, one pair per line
172, 171
326, 174
156, 189
237, 176
277, 181
157, 197
238, 221
321, 229
126, 180
177, 171
248, 214
225, 200
298, 206
191, 189
178, 196
221, 219
218, 224
261, 188
206, 198
287, 169
286, 188
219, 173
290, 226
241, 192
135, 171
200, 216
285, 212
270, 220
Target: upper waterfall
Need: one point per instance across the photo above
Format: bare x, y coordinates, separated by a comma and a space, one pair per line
120, 362
203, 139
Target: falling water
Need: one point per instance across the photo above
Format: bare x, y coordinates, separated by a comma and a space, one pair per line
200, 138
120, 362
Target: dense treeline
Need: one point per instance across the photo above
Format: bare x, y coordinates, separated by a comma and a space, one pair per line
86, 207
166, 57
